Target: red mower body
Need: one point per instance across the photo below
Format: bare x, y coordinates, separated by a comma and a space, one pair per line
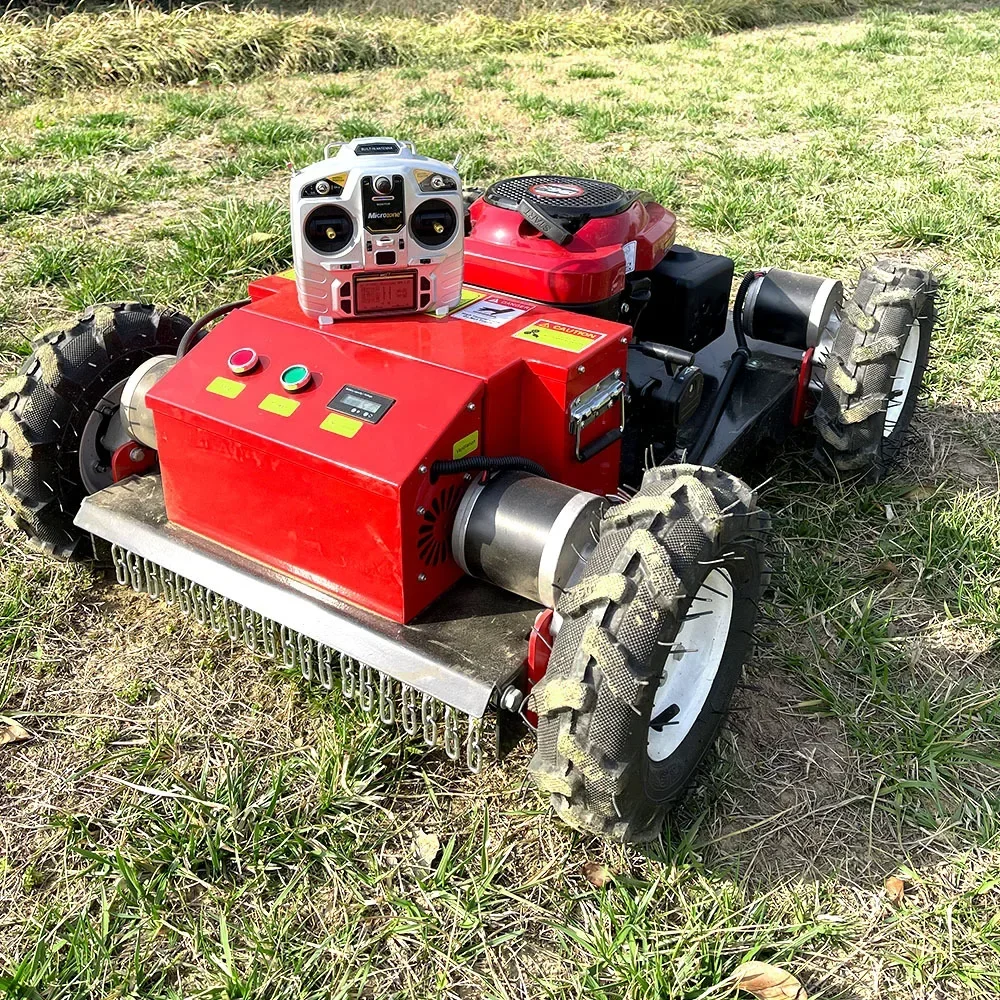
315, 484
506, 252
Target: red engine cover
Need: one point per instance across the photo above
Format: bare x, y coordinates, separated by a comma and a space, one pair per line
620, 232
345, 502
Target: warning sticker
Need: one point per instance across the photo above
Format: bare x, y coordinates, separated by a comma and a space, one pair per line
290, 274
494, 311
629, 250
559, 336
226, 387
469, 295
465, 446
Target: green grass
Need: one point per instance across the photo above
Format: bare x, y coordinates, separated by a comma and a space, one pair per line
193, 822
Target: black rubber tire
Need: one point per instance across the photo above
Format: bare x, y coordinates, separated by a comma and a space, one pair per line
594, 703
44, 408
862, 365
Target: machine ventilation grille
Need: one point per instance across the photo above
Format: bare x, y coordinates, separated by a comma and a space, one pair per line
434, 535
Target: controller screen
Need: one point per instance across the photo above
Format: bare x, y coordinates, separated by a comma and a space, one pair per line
382, 294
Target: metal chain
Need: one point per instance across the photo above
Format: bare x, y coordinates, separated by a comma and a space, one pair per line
411, 717
307, 656
474, 745
386, 699
326, 659
367, 697
452, 746
348, 678
428, 718
417, 713
119, 557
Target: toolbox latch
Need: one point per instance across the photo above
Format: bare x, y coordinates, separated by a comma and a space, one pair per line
592, 403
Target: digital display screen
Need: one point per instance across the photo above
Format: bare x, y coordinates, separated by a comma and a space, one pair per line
363, 404
385, 294
368, 405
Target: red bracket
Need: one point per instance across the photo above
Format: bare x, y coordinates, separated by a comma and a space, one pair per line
539, 650
800, 402
131, 459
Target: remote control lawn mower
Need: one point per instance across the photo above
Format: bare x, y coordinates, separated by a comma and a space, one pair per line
474, 459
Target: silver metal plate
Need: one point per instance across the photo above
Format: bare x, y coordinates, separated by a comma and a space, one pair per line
464, 648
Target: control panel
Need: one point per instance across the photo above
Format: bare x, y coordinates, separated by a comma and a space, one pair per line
312, 454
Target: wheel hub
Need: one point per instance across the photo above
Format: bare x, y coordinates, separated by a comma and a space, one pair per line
101, 436
902, 382
691, 666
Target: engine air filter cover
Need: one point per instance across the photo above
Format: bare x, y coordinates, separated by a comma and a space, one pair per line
569, 199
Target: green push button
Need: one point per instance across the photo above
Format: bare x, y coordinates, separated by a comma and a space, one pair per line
295, 377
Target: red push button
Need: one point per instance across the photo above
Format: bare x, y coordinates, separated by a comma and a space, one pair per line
242, 361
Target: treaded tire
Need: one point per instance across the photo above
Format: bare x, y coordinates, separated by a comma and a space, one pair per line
653, 554
45, 407
862, 366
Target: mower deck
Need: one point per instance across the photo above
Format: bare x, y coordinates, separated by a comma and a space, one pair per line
461, 650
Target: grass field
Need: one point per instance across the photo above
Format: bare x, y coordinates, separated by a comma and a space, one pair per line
189, 821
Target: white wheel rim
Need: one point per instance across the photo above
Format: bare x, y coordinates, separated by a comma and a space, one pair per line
692, 666
902, 382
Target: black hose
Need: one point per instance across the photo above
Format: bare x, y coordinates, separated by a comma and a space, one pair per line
484, 463
739, 359
191, 337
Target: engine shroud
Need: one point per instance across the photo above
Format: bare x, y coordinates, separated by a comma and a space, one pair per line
614, 233
332, 483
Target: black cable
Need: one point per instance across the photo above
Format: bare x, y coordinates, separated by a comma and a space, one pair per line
739, 359
191, 337
485, 463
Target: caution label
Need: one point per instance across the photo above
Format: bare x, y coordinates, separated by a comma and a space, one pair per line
280, 405
465, 446
558, 335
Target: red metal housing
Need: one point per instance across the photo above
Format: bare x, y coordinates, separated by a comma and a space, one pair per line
345, 503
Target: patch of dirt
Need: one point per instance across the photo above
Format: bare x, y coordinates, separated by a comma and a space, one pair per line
793, 802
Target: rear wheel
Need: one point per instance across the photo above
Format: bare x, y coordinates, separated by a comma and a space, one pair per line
650, 648
874, 370
59, 421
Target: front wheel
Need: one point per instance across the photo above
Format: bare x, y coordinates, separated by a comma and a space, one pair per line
650, 648
874, 370
59, 421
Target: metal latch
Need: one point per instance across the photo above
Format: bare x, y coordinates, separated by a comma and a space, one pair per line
589, 405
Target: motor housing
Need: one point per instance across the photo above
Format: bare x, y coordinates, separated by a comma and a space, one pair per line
323, 460
689, 300
526, 534
786, 307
